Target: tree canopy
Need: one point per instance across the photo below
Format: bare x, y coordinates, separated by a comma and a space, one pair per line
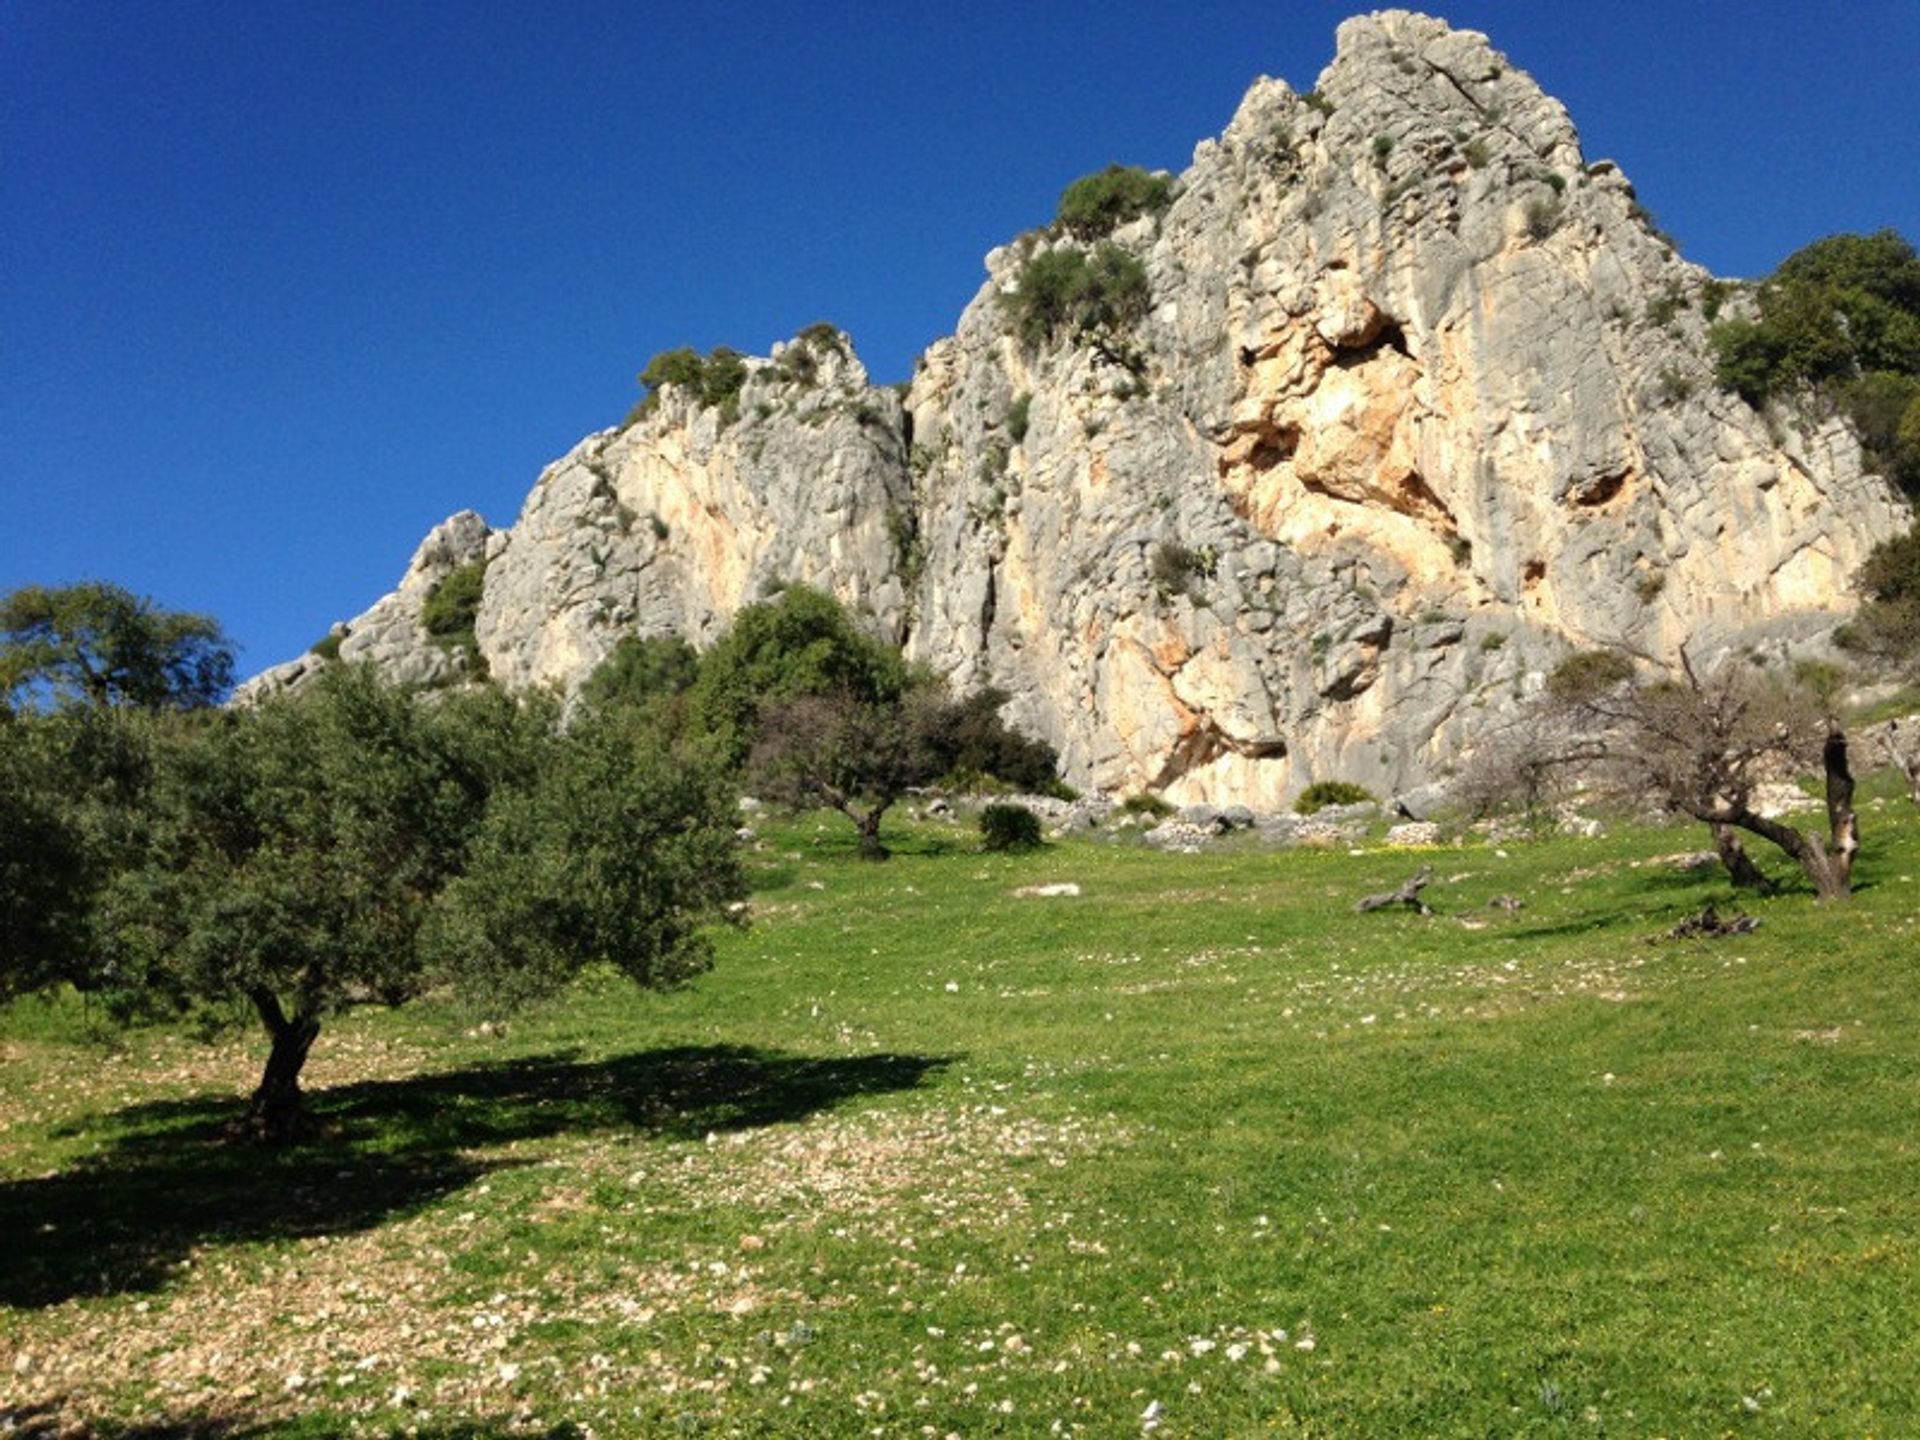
94, 643
351, 842
1840, 317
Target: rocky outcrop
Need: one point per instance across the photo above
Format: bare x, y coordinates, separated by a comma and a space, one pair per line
1421, 401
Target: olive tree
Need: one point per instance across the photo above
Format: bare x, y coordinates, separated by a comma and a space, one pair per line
352, 843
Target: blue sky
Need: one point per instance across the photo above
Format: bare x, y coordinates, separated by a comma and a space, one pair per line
284, 284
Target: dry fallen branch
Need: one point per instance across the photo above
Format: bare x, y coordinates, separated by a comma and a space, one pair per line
1708, 925
1408, 895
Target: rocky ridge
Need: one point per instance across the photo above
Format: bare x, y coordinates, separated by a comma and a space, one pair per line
1422, 401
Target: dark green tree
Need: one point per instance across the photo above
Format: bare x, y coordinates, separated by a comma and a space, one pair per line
97, 644
850, 753
799, 643
71, 783
642, 673
349, 843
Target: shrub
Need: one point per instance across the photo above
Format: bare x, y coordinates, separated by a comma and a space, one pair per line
714, 380
1382, 148
1098, 204
1009, 827
1543, 217
971, 742
452, 606
1477, 155
1842, 307
641, 672
1322, 793
1176, 566
327, 647
1146, 806
1664, 308
1588, 673
1018, 415
1093, 296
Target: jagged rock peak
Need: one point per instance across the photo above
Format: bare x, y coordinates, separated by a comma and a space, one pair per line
1408, 401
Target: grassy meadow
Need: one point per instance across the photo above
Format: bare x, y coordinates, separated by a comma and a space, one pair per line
1196, 1152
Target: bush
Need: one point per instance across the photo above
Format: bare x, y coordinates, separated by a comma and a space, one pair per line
453, 604
327, 647
1092, 296
1146, 806
1098, 204
1582, 676
1009, 827
1843, 307
715, 380
1322, 793
972, 742
1018, 415
642, 673
1175, 567
801, 643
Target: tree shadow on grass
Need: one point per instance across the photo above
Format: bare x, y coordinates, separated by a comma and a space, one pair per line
49, 1419
171, 1180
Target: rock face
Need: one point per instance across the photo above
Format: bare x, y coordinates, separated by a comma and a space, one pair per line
1421, 402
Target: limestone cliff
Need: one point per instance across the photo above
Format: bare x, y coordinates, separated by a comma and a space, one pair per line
1421, 400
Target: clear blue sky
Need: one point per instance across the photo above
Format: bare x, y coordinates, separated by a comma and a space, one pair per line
284, 284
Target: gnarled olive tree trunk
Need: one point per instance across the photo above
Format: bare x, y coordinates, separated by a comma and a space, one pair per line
277, 1112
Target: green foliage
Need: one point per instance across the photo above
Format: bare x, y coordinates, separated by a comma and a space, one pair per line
1091, 297
1382, 148
1097, 205
1885, 409
619, 854
1476, 154
1009, 827
1840, 310
715, 380
1588, 673
1018, 415
453, 605
1316, 101
969, 739
73, 788
97, 644
642, 673
1887, 627
801, 643
800, 361
1323, 793
1665, 307
852, 753
1146, 806
327, 647
348, 842
1175, 568
1543, 218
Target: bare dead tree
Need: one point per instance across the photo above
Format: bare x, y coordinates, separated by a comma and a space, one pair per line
1703, 744
1901, 740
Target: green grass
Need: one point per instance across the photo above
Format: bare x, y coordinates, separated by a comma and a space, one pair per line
924, 1153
